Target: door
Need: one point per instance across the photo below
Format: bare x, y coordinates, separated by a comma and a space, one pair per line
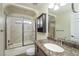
2, 36
29, 32
14, 32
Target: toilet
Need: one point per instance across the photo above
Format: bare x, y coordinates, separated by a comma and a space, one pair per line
30, 51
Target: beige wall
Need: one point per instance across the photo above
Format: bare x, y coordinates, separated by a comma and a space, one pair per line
63, 25
63, 22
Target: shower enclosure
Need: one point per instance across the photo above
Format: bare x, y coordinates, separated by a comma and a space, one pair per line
20, 31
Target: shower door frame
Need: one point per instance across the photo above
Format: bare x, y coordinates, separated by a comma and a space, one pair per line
6, 44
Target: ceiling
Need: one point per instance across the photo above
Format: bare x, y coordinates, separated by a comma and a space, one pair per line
36, 6
39, 6
62, 9
16, 9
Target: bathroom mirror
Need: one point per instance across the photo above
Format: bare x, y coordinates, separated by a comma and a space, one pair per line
75, 7
51, 26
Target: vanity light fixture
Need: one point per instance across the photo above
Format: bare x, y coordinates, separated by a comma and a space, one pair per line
56, 6
29, 22
62, 4
51, 5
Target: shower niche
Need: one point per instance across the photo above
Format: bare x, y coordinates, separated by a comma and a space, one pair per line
19, 27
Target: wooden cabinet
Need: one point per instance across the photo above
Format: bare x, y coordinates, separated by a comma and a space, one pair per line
41, 23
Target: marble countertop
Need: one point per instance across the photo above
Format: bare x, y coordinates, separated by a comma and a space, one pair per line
68, 50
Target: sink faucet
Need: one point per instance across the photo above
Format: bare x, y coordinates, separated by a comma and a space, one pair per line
61, 42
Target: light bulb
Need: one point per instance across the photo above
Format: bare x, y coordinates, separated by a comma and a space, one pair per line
62, 4
51, 5
56, 7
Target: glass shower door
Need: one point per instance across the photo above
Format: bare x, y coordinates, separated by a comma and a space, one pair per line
29, 31
14, 32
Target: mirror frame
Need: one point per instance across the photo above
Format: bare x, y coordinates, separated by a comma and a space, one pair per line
73, 8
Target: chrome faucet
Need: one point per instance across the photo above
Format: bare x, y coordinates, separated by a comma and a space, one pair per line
61, 42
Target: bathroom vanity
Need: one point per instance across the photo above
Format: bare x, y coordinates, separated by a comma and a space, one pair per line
41, 50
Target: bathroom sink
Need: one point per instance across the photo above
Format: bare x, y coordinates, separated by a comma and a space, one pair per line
53, 47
